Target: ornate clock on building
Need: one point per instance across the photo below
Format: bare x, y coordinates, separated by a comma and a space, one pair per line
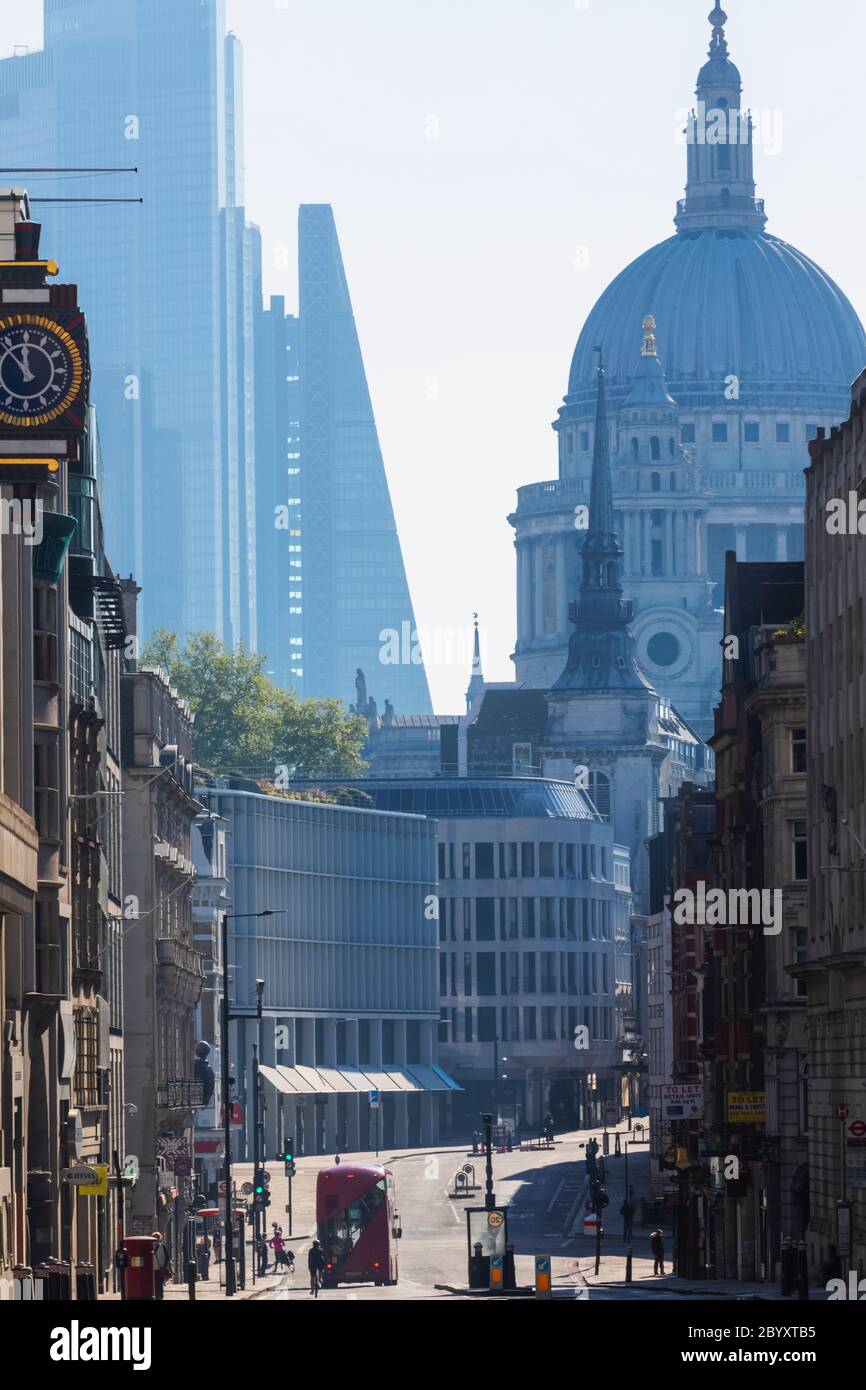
41, 370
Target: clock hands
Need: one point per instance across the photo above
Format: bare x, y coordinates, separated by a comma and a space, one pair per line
25, 364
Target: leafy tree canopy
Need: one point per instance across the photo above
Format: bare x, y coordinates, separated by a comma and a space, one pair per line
246, 724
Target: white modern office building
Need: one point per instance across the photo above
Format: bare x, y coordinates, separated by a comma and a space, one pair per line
531, 891
349, 959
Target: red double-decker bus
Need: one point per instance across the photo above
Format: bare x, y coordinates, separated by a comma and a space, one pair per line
358, 1224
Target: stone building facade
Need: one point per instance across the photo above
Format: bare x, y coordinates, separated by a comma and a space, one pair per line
163, 970
835, 966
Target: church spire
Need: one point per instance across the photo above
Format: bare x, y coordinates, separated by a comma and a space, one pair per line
601, 648
720, 190
476, 680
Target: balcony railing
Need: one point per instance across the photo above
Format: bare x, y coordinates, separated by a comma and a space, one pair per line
171, 952
180, 1095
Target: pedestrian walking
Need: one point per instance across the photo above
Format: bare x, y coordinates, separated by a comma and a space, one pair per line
657, 1245
547, 1127
161, 1265
262, 1247
626, 1211
278, 1245
202, 1257
315, 1264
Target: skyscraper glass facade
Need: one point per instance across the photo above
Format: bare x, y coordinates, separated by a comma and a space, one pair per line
354, 581
154, 84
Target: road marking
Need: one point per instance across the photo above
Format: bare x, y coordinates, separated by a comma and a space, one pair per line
455, 1211
555, 1198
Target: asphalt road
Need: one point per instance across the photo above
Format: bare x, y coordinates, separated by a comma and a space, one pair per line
539, 1188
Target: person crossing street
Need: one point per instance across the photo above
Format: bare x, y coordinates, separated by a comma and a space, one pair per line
315, 1264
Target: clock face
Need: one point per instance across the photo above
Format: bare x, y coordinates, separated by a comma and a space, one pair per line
40, 370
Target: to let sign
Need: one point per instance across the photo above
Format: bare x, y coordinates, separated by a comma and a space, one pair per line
682, 1102
747, 1107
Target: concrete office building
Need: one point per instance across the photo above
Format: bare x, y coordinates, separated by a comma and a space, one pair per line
349, 961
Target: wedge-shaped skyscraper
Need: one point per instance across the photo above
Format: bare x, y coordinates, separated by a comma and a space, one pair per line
353, 588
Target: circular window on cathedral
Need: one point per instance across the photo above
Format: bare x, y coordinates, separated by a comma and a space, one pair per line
663, 649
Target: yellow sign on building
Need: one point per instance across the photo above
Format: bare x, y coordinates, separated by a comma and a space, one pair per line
747, 1107
100, 1188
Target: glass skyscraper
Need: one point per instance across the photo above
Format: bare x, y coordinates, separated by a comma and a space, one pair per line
167, 285
354, 585
278, 500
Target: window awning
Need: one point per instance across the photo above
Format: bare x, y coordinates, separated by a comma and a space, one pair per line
329, 1081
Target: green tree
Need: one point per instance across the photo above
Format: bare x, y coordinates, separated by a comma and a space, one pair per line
244, 723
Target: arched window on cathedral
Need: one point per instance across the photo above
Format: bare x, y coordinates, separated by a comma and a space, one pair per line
655, 448
635, 450
672, 448
673, 482
656, 483
599, 793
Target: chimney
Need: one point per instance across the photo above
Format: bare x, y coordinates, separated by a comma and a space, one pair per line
14, 208
129, 600
27, 241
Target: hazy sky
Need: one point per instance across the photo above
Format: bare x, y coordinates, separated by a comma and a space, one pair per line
469, 148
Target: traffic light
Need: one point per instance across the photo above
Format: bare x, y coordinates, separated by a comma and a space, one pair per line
261, 1196
288, 1157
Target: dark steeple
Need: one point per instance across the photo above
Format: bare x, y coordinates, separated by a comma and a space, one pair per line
601, 649
476, 681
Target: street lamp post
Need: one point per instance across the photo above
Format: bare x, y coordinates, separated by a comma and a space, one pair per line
260, 989
225, 1019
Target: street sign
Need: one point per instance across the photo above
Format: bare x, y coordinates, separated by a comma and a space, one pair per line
80, 1176
682, 1102
100, 1187
842, 1112
266, 1177
222, 1187
247, 1188
747, 1107
171, 1146
495, 1220
855, 1153
130, 1167
183, 1165
542, 1277
374, 1100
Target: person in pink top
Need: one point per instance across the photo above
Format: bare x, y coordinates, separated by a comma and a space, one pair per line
278, 1245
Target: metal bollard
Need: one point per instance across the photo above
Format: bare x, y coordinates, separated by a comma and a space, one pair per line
605, 1143
617, 1151
802, 1273
786, 1263
628, 1265
191, 1278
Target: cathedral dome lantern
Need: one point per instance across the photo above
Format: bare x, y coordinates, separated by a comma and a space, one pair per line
729, 297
